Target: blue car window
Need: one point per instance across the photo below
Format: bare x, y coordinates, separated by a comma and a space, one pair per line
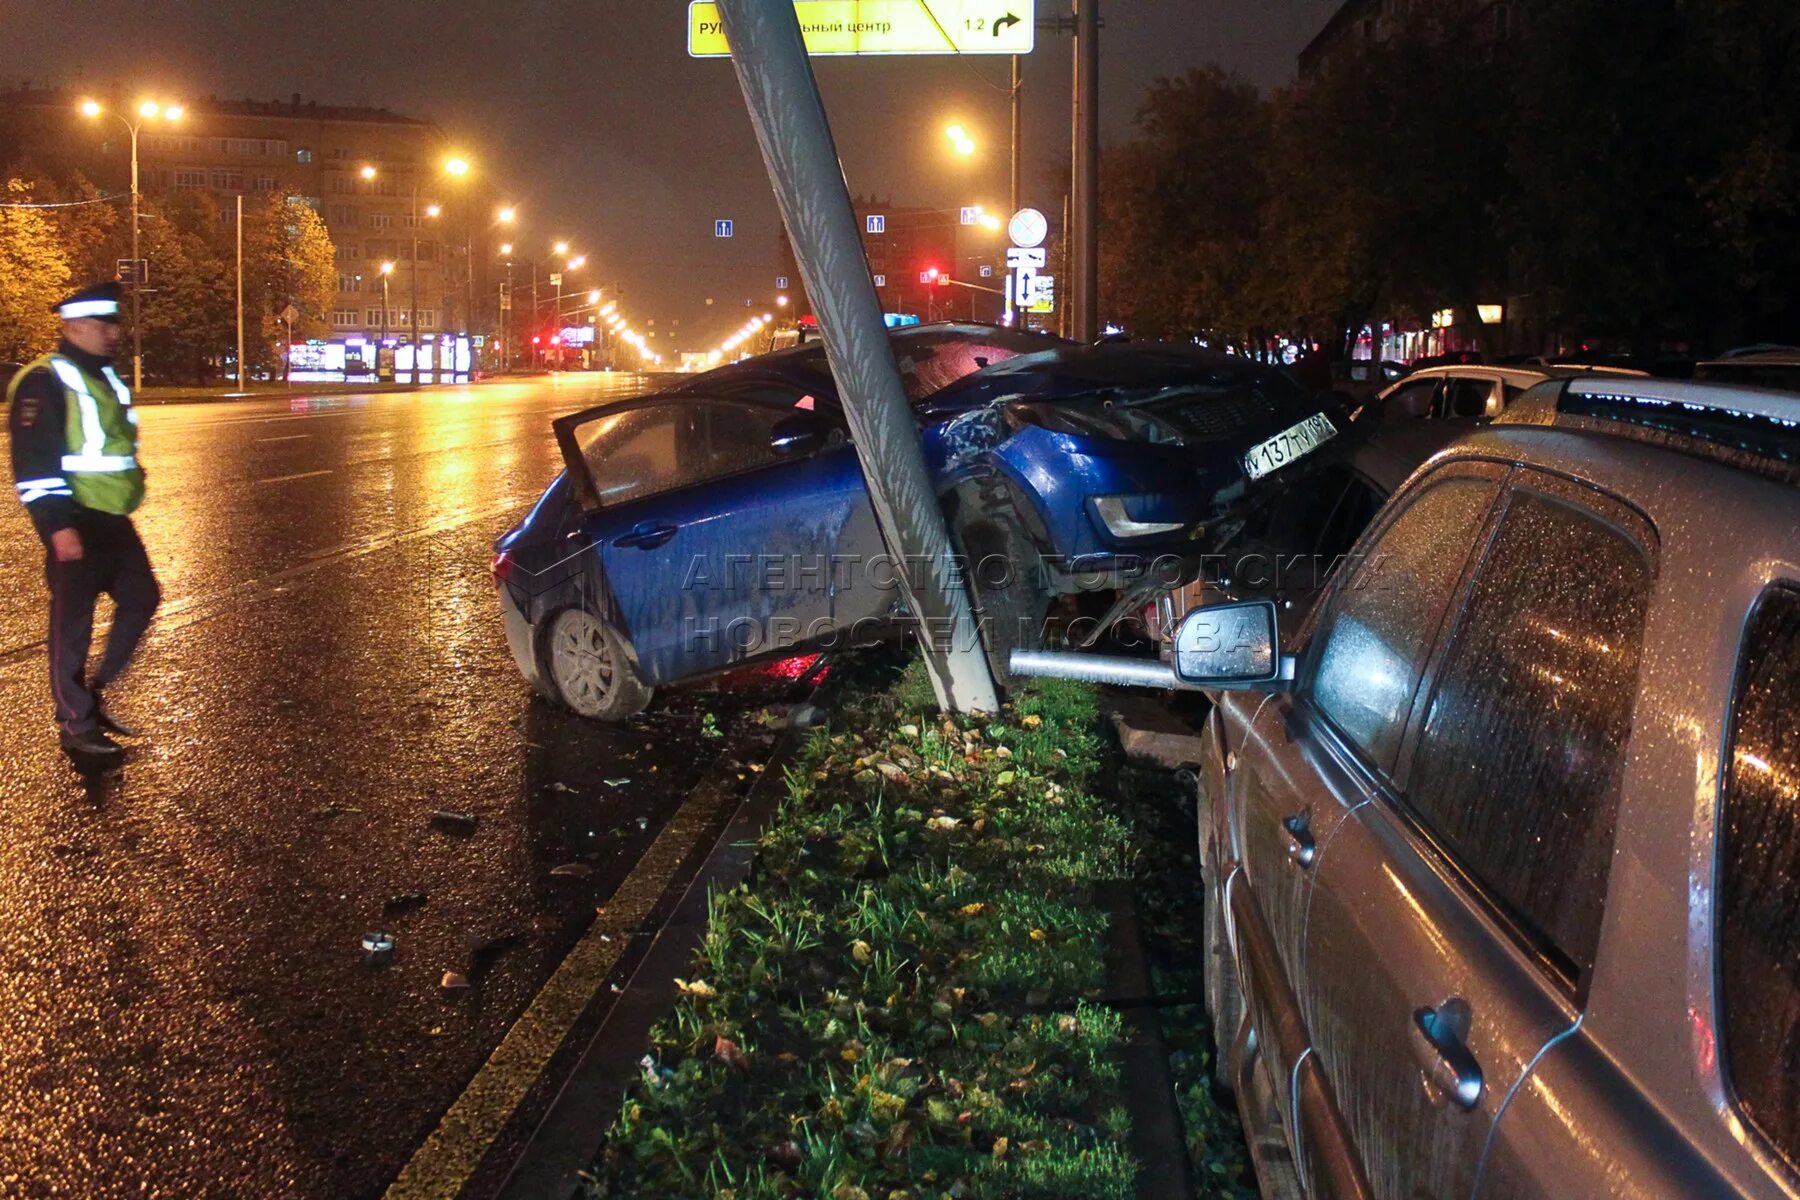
671, 444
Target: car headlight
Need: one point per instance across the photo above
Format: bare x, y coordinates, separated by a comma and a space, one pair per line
1121, 524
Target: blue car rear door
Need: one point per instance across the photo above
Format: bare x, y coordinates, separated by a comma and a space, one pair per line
712, 543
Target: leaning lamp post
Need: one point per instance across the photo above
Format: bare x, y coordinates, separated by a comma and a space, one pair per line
147, 110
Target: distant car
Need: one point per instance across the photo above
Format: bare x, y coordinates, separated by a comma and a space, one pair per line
1477, 392
1500, 851
725, 520
1775, 368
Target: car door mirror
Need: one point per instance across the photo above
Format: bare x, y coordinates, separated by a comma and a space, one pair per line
798, 435
1230, 645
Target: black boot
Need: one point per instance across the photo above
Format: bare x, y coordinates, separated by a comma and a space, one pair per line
110, 723
92, 743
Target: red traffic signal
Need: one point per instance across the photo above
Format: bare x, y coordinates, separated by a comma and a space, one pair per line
929, 275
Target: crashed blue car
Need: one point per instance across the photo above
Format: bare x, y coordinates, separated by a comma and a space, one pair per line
725, 520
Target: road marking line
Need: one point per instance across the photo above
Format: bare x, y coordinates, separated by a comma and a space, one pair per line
286, 437
447, 1160
301, 475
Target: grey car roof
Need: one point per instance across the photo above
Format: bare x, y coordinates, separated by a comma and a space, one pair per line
1538, 406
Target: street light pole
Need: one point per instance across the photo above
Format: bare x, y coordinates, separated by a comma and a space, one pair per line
137, 312
412, 317
1017, 83
1085, 187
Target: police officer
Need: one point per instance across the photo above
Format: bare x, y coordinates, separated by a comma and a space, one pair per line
74, 460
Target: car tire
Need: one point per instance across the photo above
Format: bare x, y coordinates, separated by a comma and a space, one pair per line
1004, 576
587, 665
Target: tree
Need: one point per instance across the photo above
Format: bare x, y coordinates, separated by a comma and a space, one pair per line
288, 260
188, 311
93, 233
1182, 207
34, 274
1388, 174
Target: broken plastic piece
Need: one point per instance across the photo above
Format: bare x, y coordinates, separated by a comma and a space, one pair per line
405, 902
378, 947
452, 821
453, 981
573, 870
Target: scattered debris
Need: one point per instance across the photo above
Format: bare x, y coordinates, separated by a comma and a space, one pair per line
560, 786
453, 822
709, 726
405, 902
643, 823
621, 782
454, 981
727, 1052
378, 948
572, 870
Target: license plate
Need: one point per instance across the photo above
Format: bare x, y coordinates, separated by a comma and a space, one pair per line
1291, 443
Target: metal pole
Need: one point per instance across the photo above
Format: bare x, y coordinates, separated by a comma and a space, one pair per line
379, 346
1063, 318
469, 262
243, 376
412, 317
1085, 189
1017, 83
137, 284
789, 118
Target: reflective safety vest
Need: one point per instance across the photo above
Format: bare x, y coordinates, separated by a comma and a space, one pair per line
100, 446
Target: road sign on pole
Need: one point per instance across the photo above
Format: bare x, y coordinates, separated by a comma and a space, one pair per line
875, 223
134, 271
781, 283
721, 228
971, 214
874, 27
881, 281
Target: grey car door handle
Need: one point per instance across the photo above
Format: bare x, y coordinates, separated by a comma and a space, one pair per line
1301, 847
1443, 1052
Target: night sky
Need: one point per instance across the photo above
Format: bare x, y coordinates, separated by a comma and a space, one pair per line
592, 117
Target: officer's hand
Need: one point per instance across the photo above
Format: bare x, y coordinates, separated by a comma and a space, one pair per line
66, 545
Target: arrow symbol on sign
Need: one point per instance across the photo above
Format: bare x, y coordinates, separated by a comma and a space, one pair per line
1003, 22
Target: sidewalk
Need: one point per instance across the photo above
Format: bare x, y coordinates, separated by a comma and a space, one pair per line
265, 391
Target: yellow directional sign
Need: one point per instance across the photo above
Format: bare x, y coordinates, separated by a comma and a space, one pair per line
888, 27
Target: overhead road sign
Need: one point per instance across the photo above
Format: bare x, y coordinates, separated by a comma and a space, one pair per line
873, 27
722, 228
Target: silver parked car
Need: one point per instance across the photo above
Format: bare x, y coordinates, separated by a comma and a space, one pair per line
1502, 864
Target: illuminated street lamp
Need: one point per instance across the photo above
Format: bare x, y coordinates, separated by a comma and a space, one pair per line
147, 110
960, 140
368, 171
507, 215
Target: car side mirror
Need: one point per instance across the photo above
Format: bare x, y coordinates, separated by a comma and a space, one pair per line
798, 435
1229, 646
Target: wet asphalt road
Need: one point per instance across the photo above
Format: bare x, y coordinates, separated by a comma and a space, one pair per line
184, 1005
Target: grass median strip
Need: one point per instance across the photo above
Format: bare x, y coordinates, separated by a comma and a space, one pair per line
904, 1001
